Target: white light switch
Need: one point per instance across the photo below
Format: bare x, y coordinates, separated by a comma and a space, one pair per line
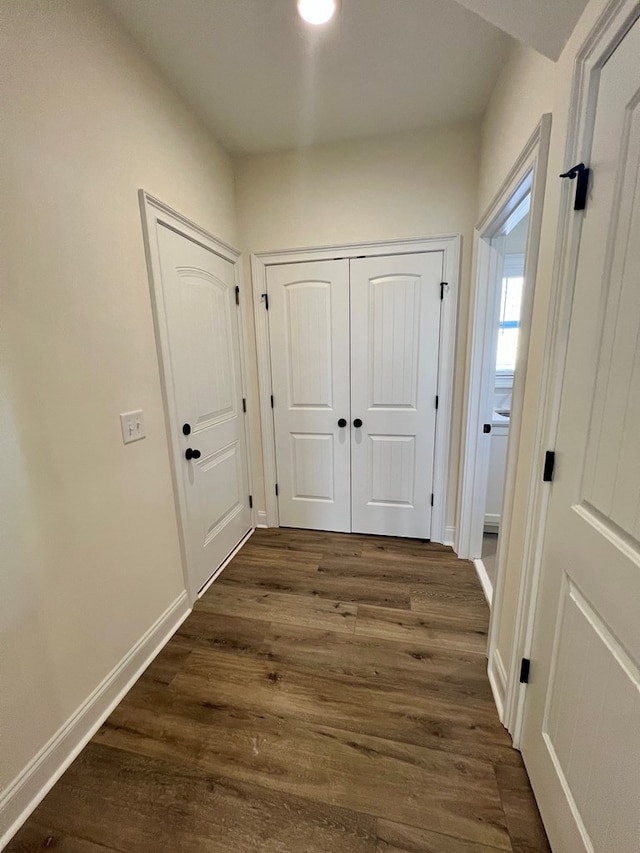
132, 425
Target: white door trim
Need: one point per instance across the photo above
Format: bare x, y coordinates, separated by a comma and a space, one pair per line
449, 244
154, 212
607, 32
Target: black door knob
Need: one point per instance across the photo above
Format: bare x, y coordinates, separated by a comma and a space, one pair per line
357, 423
342, 422
186, 429
192, 454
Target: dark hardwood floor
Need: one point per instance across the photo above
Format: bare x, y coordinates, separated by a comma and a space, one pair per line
328, 693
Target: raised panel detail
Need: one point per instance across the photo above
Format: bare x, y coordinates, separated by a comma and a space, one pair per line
204, 302
394, 328
592, 721
222, 475
312, 457
612, 481
392, 467
309, 330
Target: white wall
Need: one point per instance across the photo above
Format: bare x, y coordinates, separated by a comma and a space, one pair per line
523, 92
404, 185
88, 546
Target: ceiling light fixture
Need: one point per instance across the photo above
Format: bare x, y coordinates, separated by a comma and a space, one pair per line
317, 12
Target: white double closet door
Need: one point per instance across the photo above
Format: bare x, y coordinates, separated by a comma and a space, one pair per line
354, 360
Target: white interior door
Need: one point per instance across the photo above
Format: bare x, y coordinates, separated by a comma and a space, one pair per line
309, 337
581, 733
395, 329
198, 291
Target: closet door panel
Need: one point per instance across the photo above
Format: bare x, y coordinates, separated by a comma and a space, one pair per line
395, 326
309, 336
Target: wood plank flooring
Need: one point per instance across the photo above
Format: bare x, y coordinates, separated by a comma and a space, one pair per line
327, 695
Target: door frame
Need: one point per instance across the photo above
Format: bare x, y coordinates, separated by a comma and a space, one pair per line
527, 176
599, 43
155, 212
449, 245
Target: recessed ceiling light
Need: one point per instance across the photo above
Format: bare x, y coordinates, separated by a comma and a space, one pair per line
317, 11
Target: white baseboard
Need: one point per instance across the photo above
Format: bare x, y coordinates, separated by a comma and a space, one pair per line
449, 536
485, 580
226, 562
261, 518
498, 681
43, 771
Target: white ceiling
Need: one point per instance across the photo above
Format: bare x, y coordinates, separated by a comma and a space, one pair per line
263, 81
542, 24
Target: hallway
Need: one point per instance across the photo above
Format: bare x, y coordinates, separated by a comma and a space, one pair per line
328, 693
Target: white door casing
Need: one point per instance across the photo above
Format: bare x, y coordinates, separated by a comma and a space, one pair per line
581, 730
449, 245
395, 331
309, 332
192, 279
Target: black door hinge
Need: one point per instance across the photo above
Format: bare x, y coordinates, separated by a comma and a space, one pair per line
244, 404
549, 464
486, 428
582, 184
443, 284
237, 295
525, 666
431, 498
265, 296
276, 490
437, 401
250, 501
272, 401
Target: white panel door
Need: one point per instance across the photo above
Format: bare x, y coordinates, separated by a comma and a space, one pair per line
309, 336
198, 289
395, 329
581, 735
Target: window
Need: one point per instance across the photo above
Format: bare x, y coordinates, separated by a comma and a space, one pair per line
509, 320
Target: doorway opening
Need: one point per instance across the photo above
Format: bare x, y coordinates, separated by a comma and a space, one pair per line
501, 355
507, 240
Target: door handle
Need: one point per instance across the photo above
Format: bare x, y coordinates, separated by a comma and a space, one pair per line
192, 454
342, 422
357, 423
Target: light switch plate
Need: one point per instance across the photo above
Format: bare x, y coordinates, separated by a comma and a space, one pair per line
132, 425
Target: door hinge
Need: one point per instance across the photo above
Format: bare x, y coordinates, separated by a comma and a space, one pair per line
582, 184
237, 295
265, 296
549, 464
437, 401
443, 284
431, 498
244, 404
486, 428
525, 666
272, 401
276, 490
250, 501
